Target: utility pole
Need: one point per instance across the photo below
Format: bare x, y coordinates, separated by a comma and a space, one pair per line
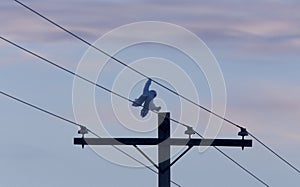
164, 172
164, 142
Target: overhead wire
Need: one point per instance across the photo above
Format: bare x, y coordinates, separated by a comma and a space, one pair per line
124, 64
238, 164
119, 95
79, 76
158, 83
272, 151
79, 125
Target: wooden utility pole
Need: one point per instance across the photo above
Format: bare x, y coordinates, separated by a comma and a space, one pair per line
164, 142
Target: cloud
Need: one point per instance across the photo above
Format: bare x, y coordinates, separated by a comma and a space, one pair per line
270, 110
256, 21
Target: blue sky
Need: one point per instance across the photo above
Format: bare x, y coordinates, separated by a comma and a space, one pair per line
256, 44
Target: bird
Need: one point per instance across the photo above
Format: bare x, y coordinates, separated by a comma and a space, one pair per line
146, 100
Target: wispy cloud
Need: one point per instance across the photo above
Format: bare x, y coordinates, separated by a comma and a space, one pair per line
260, 23
270, 110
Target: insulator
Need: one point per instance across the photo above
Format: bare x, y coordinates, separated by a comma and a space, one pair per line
83, 130
243, 132
189, 131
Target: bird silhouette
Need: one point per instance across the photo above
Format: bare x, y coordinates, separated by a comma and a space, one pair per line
146, 100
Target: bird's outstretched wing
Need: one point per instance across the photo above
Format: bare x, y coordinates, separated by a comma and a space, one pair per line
144, 112
145, 109
139, 101
146, 87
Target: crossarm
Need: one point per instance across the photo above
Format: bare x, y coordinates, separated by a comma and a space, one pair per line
156, 141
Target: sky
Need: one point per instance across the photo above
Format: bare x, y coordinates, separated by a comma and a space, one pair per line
256, 44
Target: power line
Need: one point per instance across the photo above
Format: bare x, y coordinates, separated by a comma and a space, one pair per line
64, 69
124, 64
238, 164
79, 125
242, 167
272, 151
106, 89
81, 77
158, 83
40, 109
